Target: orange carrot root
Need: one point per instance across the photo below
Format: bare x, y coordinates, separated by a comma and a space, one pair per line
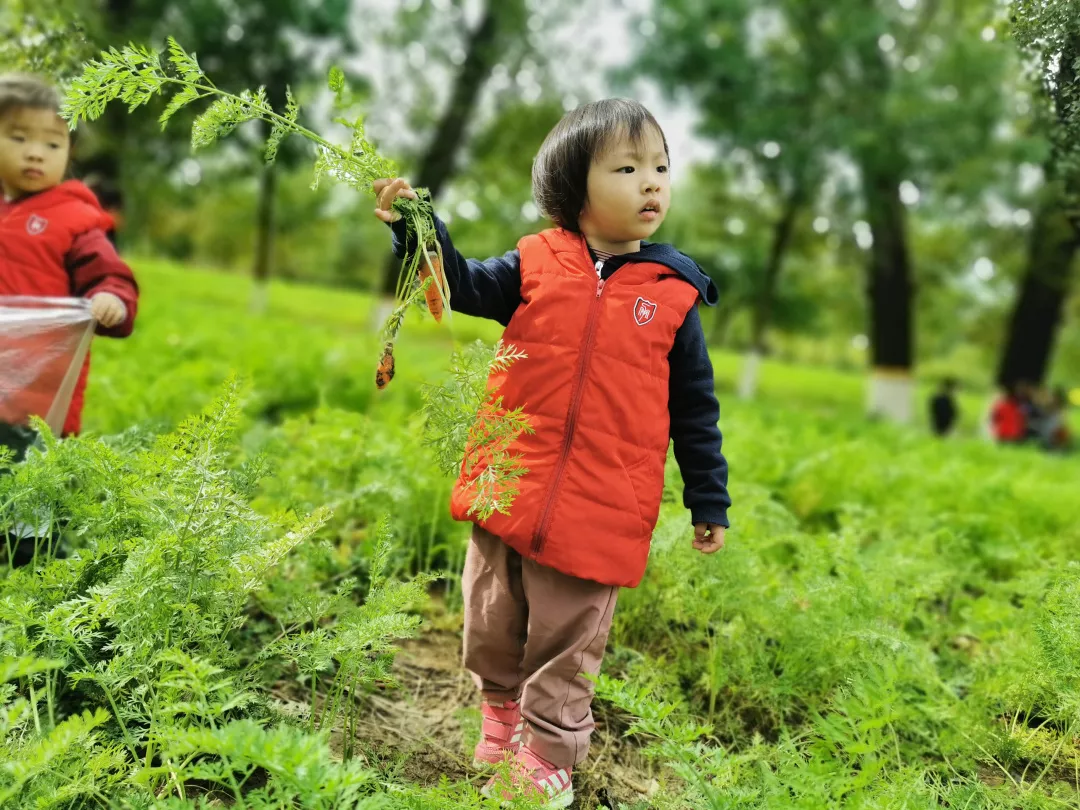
433, 292
385, 372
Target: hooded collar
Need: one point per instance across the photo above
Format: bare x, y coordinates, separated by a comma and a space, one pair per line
682, 264
59, 194
563, 241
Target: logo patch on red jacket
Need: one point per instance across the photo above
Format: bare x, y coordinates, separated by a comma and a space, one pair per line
644, 311
36, 225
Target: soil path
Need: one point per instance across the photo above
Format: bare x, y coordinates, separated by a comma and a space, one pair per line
426, 729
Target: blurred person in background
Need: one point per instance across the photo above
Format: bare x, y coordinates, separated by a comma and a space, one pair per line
1053, 428
943, 408
1008, 419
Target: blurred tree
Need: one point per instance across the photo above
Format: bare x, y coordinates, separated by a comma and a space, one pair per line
491, 200
501, 30
757, 75
53, 38
1048, 32
47, 37
922, 81
900, 90
250, 43
959, 113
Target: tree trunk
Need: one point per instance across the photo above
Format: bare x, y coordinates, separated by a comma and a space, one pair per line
783, 231
891, 293
438, 164
1040, 302
751, 368
890, 287
1055, 239
114, 146
761, 317
264, 237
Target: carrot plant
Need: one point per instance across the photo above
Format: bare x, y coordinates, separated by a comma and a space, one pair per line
468, 427
135, 74
359, 467
327, 450
891, 625
129, 661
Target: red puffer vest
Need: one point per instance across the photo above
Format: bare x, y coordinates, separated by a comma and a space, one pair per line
595, 387
36, 235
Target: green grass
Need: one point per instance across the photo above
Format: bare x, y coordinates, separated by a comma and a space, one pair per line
893, 623
195, 326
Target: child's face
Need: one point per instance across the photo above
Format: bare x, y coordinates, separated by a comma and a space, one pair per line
628, 192
34, 149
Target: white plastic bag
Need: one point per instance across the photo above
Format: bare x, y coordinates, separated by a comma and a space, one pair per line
43, 342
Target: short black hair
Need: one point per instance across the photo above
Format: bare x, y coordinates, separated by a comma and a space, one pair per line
24, 90
561, 168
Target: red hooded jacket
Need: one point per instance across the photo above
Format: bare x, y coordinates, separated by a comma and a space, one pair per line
1008, 421
595, 386
53, 244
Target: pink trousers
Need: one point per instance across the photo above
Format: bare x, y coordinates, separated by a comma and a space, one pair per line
531, 633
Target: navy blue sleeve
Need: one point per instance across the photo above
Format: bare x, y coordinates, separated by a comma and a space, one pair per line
695, 429
485, 289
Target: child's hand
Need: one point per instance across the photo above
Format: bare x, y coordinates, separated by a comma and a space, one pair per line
107, 309
388, 190
708, 537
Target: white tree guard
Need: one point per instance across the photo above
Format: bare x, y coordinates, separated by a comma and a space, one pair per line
891, 396
43, 342
748, 381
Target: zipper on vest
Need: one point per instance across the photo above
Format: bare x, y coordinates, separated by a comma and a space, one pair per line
571, 421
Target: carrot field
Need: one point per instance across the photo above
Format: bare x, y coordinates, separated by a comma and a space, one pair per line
248, 593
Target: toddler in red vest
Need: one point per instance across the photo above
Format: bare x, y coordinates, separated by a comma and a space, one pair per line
617, 368
53, 241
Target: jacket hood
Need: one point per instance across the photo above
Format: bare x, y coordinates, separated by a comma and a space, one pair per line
681, 264
567, 242
66, 192
71, 190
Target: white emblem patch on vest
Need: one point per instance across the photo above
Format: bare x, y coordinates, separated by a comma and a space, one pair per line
36, 225
644, 311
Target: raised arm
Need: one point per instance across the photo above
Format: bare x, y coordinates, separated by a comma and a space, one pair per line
486, 289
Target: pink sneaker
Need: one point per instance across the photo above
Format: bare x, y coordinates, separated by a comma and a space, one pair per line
500, 735
533, 776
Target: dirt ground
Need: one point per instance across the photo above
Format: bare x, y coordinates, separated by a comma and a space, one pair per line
426, 729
